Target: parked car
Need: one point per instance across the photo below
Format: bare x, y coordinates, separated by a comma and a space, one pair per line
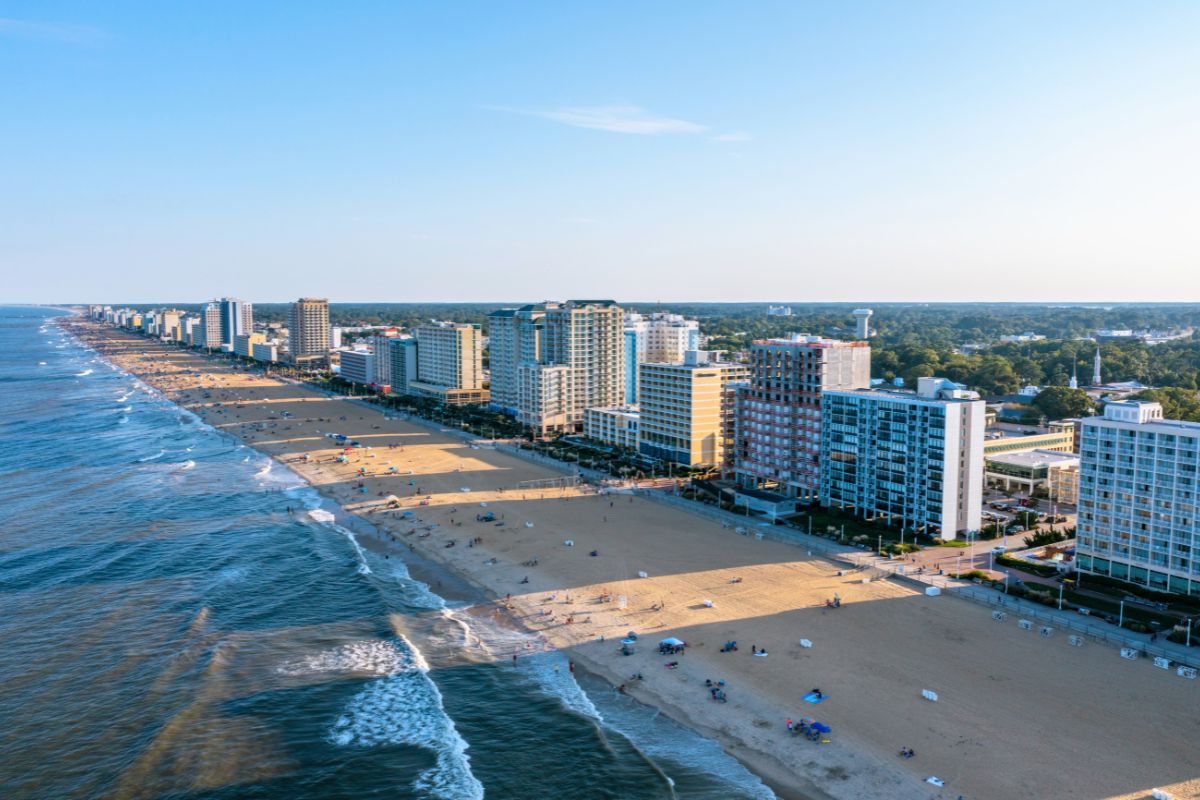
999, 550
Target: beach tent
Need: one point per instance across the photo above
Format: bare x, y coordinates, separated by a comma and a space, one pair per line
671, 641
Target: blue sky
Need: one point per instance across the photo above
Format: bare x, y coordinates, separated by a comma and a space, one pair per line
643, 151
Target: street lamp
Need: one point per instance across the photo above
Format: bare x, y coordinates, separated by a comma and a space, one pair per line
1121, 616
1060, 595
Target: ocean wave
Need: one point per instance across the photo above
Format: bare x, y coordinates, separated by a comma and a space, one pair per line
327, 519
189, 464
123, 420
402, 706
41, 363
154, 457
84, 373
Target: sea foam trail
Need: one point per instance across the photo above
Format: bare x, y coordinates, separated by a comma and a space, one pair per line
327, 519
401, 706
85, 373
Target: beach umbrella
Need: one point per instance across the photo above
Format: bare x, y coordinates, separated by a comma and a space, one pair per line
671, 641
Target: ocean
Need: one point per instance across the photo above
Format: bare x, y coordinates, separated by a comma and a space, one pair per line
169, 630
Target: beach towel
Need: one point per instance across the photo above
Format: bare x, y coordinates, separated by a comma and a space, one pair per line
761, 655
811, 697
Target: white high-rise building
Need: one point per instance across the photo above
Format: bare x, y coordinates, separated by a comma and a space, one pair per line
1138, 500
358, 366
401, 355
237, 318
915, 460
658, 338
583, 336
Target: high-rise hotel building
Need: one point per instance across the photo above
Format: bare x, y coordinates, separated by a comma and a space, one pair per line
913, 459
308, 333
657, 338
778, 437
450, 363
1138, 503
236, 319
687, 410
552, 361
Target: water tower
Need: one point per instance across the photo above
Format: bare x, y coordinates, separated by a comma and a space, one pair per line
862, 323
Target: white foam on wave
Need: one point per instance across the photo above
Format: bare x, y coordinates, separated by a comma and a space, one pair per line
659, 738
402, 705
189, 464
327, 519
125, 409
123, 420
84, 373
41, 363
154, 457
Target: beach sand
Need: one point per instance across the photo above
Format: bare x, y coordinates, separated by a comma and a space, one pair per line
1018, 715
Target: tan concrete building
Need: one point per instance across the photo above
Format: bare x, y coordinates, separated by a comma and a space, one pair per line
688, 410
450, 363
308, 330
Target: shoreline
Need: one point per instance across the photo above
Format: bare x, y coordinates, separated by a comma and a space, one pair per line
850, 767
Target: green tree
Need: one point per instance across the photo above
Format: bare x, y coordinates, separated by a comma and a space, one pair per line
1060, 402
1177, 403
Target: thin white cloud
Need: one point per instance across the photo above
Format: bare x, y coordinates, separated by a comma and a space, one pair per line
614, 119
736, 136
50, 32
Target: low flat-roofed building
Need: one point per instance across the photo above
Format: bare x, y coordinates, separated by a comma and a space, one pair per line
617, 425
1032, 469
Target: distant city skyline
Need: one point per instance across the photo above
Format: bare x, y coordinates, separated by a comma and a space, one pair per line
701, 152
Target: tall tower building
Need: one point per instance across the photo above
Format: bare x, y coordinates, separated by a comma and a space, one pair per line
1096, 368
862, 323
308, 332
209, 336
687, 410
777, 443
658, 338
552, 361
450, 363
237, 319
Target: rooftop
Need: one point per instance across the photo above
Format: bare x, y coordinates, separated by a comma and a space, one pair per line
1036, 458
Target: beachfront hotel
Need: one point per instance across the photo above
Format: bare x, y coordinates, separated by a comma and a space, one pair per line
357, 366
236, 318
778, 427
688, 410
243, 344
401, 355
449, 363
658, 338
308, 333
1138, 498
552, 361
913, 459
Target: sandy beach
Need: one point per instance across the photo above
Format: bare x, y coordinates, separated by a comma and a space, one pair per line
1018, 715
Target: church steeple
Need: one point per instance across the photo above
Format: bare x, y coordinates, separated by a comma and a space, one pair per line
1096, 368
